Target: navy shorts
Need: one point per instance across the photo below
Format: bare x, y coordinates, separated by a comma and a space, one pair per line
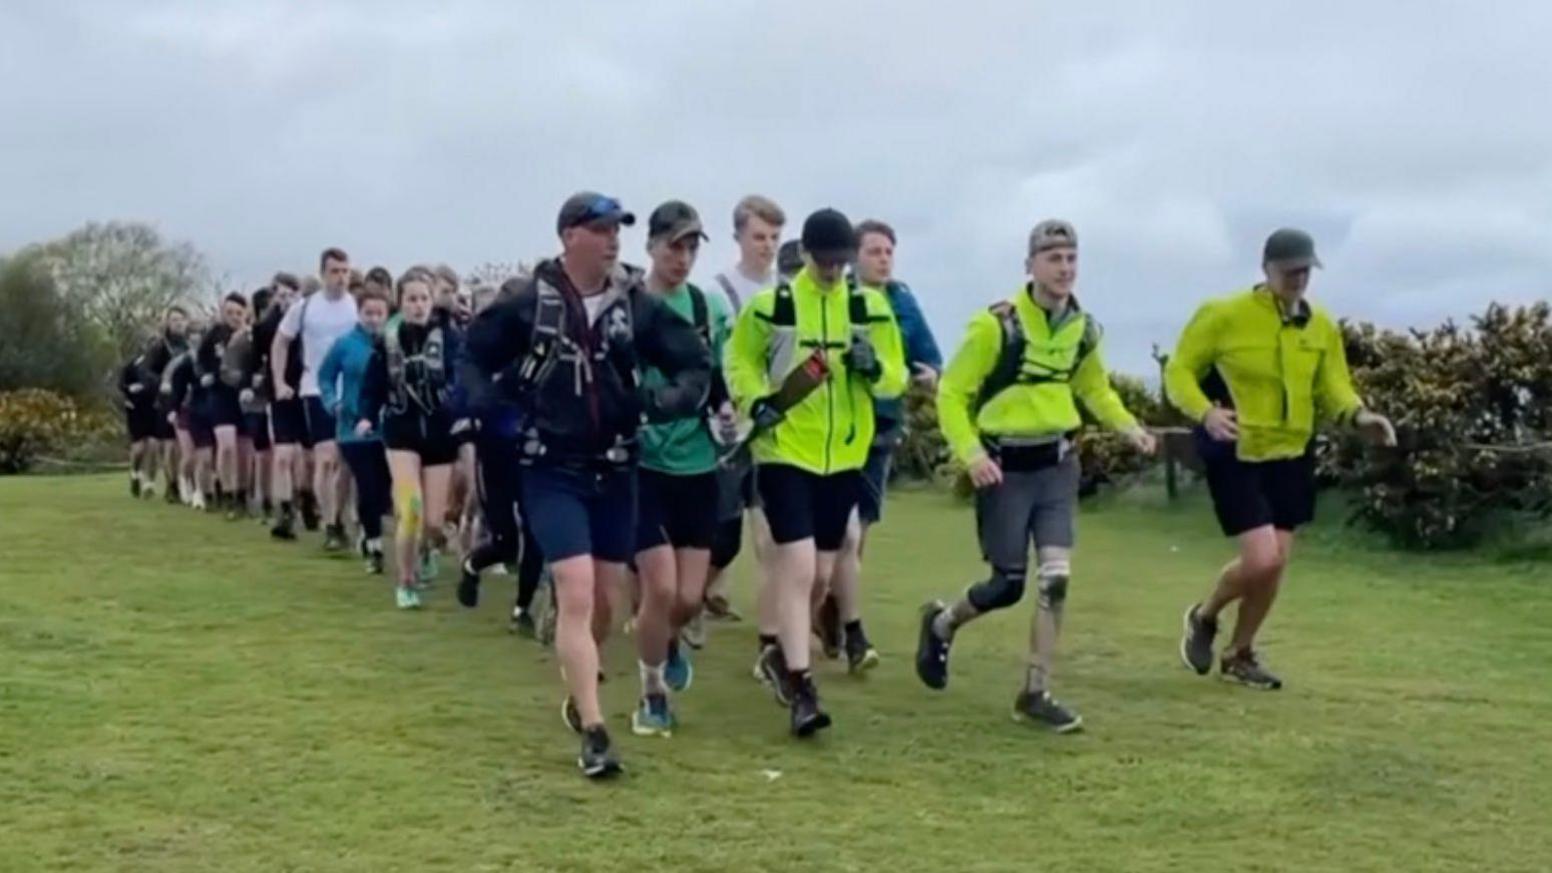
875, 484
574, 512
320, 422
201, 430
140, 422
288, 424
222, 408
256, 425
1251, 494
680, 511
800, 505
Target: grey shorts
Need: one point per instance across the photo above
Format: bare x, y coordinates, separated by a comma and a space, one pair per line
1028, 507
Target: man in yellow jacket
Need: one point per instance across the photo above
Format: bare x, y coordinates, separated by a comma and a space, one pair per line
1257, 370
1007, 404
809, 453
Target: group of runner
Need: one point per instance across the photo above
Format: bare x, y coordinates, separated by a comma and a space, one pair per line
614, 429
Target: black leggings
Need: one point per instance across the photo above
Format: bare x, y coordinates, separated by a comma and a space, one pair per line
727, 542
508, 539
368, 463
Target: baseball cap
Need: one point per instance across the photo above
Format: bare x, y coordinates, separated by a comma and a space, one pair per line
674, 221
1292, 248
828, 237
1050, 234
585, 207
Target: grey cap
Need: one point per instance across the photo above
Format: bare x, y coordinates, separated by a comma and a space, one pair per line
1290, 248
1051, 234
585, 207
673, 221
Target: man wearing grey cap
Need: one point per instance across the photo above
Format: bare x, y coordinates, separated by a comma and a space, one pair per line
569, 345
1007, 404
676, 516
1257, 370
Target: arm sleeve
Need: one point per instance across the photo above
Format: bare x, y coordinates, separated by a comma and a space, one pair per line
961, 383
921, 347
497, 339
1091, 384
743, 362
672, 345
1335, 396
1193, 356
374, 386
129, 375
328, 377
885, 336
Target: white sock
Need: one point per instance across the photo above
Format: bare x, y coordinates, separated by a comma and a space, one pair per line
652, 681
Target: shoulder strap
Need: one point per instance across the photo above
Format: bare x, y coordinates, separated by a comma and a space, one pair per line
701, 314
728, 289
785, 312
1010, 356
544, 340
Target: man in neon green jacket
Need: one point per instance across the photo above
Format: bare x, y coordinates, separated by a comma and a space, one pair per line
1007, 404
808, 457
1256, 370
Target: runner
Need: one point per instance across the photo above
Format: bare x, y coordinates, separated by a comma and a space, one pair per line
341, 378
170, 342
508, 535
196, 441
222, 410
839, 618
1007, 407
317, 321
139, 423
250, 357
288, 431
566, 343
677, 497
808, 457
1256, 370
408, 396
757, 224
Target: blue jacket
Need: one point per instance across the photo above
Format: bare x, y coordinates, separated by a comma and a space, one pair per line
920, 348
340, 379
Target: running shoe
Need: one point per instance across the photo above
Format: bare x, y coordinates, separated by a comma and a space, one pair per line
597, 760
1196, 641
827, 626
860, 654
570, 715
653, 717
407, 597
718, 607
522, 623
931, 649
1245, 668
468, 585
808, 717
1040, 707
678, 672
334, 538
694, 633
773, 672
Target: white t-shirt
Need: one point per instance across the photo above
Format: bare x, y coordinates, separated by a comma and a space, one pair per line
743, 286
594, 304
326, 321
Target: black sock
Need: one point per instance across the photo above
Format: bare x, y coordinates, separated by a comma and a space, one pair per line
767, 640
242, 498
286, 510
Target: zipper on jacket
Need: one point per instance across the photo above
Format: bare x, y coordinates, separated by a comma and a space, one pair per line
824, 343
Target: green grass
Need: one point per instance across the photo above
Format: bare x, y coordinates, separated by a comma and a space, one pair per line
181, 694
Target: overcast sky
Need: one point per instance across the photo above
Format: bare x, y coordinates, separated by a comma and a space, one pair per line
1414, 139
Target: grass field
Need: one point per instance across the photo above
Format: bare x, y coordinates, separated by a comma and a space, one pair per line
181, 694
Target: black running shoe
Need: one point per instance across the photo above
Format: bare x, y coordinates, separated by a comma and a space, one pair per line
931, 649
860, 654
308, 504
1041, 708
827, 625
284, 529
522, 623
597, 760
773, 672
468, 585
374, 562
1245, 668
334, 538
1196, 641
808, 717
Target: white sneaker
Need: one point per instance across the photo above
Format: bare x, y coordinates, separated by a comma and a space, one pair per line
186, 491
198, 501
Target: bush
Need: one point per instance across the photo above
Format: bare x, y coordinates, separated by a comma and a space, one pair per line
1471, 410
35, 423
48, 343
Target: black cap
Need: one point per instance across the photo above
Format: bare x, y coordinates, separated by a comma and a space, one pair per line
585, 207
1290, 248
828, 237
673, 221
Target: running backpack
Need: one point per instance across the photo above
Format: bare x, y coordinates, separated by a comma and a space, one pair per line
430, 384
1010, 368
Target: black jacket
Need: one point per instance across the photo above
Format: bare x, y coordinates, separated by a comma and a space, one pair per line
585, 400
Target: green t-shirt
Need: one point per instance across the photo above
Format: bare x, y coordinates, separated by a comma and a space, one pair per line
684, 447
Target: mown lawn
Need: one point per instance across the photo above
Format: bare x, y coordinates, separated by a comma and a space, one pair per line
181, 694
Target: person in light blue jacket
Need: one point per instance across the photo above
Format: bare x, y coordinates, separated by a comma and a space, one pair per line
340, 380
